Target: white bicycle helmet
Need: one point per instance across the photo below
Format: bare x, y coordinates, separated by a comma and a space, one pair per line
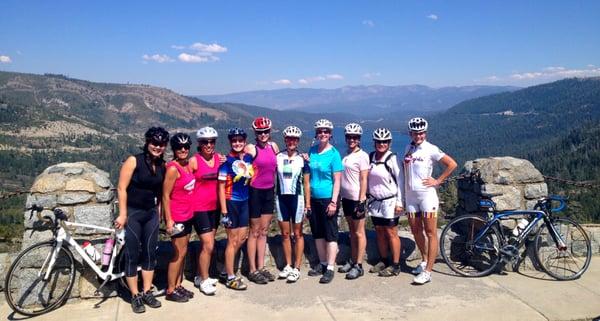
323, 123
382, 134
417, 125
353, 129
292, 131
206, 133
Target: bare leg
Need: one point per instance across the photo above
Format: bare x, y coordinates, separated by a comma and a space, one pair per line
299, 246
321, 249
208, 245
174, 269
353, 240
361, 240
382, 242
394, 242
132, 283
231, 249
432, 238
416, 226
251, 244
261, 242
286, 242
332, 250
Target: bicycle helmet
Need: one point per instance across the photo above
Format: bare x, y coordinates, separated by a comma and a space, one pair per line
236, 131
292, 131
382, 134
323, 123
206, 133
180, 140
157, 135
417, 125
261, 123
353, 129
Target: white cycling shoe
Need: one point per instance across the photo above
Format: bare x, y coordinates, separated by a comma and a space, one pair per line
420, 268
293, 276
422, 278
198, 280
285, 272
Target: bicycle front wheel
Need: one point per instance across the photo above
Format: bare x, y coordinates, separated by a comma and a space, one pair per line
563, 263
26, 287
468, 249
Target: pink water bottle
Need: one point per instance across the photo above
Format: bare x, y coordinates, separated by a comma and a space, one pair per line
106, 253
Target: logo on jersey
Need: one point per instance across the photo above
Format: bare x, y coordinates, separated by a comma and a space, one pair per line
190, 186
241, 170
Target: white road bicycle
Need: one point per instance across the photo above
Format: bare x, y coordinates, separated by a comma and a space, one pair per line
41, 277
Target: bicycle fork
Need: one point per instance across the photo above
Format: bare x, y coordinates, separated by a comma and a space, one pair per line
560, 243
49, 261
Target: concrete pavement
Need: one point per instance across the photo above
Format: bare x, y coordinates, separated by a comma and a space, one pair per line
529, 295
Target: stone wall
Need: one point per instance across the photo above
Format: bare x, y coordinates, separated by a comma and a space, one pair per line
86, 195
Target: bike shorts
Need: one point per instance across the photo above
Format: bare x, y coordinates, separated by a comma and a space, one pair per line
262, 201
349, 207
290, 207
382, 208
238, 213
206, 221
322, 225
422, 204
389, 222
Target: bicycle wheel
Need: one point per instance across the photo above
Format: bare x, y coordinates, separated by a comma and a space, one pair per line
465, 256
570, 262
26, 290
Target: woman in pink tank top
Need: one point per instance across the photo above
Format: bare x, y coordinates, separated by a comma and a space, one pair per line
205, 166
178, 189
262, 198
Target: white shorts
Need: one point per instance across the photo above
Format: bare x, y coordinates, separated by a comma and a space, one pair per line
422, 204
384, 208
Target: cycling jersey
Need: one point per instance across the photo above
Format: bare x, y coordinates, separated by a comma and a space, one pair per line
353, 163
289, 173
236, 173
181, 194
418, 165
322, 167
264, 164
381, 184
205, 191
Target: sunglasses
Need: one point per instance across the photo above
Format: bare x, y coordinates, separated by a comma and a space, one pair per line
238, 140
382, 142
158, 144
208, 141
354, 137
186, 147
323, 131
264, 132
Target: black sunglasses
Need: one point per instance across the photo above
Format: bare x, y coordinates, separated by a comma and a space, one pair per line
207, 141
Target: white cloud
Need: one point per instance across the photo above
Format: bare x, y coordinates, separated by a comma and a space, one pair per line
212, 48
334, 77
371, 75
282, 82
303, 81
492, 78
308, 80
550, 73
5, 60
591, 66
158, 58
177, 47
196, 58
368, 23
432, 17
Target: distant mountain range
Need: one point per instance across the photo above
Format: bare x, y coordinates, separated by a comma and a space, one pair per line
377, 100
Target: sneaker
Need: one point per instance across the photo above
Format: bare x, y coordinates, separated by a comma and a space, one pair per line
257, 277
236, 284
211, 281
186, 292
355, 272
327, 277
317, 270
377, 267
207, 287
346, 267
293, 276
137, 304
150, 300
285, 272
389, 271
267, 274
422, 278
420, 268
177, 296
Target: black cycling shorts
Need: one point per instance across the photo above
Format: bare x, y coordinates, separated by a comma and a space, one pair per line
349, 207
262, 201
322, 225
380, 221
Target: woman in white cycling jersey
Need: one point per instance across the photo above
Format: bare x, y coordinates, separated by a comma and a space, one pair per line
422, 202
292, 201
385, 202
354, 195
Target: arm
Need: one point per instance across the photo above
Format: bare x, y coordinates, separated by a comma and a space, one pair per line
449, 164
193, 164
168, 183
337, 178
275, 147
396, 172
222, 199
250, 149
306, 181
124, 179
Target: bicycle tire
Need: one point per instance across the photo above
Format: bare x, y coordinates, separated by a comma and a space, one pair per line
568, 264
28, 294
461, 255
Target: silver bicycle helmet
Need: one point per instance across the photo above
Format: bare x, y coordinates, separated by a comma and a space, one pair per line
323, 123
292, 131
353, 129
417, 125
206, 133
382, 134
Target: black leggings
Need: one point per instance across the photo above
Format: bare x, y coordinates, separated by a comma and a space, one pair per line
141, 240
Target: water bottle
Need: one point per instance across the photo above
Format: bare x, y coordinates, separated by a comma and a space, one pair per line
90, 250
106, 253
521, 225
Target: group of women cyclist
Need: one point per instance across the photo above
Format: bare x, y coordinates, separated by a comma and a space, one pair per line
245, 188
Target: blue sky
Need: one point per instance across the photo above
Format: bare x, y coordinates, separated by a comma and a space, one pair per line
210, 47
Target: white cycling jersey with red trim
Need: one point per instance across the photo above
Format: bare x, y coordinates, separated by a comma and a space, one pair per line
418, 165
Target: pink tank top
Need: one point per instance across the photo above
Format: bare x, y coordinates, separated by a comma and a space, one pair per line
205, 191
181, 195
265, 165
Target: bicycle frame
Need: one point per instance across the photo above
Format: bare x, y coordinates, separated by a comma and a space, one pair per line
63, 235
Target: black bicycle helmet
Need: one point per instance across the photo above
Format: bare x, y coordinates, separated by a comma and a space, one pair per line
157, 135
180, 140
236, 131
